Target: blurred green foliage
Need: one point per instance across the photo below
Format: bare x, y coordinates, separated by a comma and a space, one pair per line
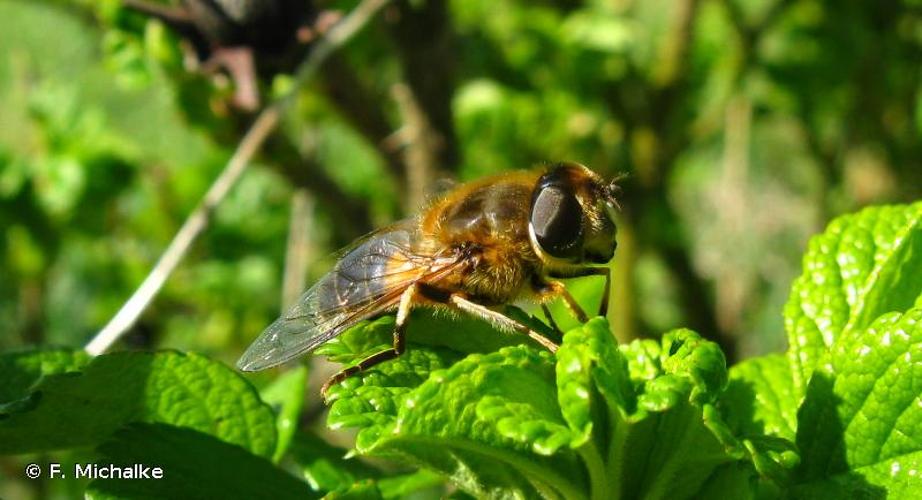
744, 127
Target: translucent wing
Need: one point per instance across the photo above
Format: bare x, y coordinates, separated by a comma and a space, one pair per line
368, 279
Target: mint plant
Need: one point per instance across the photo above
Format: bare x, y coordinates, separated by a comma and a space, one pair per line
838, 416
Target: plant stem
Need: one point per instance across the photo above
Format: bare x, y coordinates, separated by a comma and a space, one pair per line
599, 487
617, 432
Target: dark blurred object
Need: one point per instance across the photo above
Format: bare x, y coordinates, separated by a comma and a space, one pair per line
248, 38
265, 25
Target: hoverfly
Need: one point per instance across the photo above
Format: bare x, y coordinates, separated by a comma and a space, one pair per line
481, 245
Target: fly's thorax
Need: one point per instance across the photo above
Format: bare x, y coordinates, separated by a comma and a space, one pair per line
487, 221
486, 213
501, 273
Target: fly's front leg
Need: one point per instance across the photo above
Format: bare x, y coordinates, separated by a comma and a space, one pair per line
557, 288
474, 309
606, 292
591, 271
407, 300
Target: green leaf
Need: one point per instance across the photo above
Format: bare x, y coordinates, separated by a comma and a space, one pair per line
860, 426
404, 485
589, 361
675, 440
361, 490
480, 422
729, 481
195, 465
519, 399
862, 266
642, 359
331, 469
760, 399
636, 421
701, 361
374, 396
82, 409
462, 334
327, 467
286, 396
360, 341
760, 408
20, 370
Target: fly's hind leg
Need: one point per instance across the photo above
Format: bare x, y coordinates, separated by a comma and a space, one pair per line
403, 311
459, 302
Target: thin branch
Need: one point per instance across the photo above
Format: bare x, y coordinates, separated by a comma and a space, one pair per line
421, 149
197, 222
191, 228
425, 45
351, 216
674, 60
299, 249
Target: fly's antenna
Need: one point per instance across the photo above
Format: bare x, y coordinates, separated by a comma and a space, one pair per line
612, 190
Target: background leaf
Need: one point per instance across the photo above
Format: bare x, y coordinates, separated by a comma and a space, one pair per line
862, 266
195, 465
326, 467
860, 426
286, 396
760, 398
20, 370
81, 409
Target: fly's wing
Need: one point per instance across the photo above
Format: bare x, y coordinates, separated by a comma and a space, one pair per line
368, 279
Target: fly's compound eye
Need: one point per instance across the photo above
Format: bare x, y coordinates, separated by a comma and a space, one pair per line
557, 219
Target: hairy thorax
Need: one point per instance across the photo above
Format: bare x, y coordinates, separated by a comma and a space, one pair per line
490, 222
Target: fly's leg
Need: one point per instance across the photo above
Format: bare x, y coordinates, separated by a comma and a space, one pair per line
403, 311
552, 288
606, 292
459, 302
550, 319
590, 271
